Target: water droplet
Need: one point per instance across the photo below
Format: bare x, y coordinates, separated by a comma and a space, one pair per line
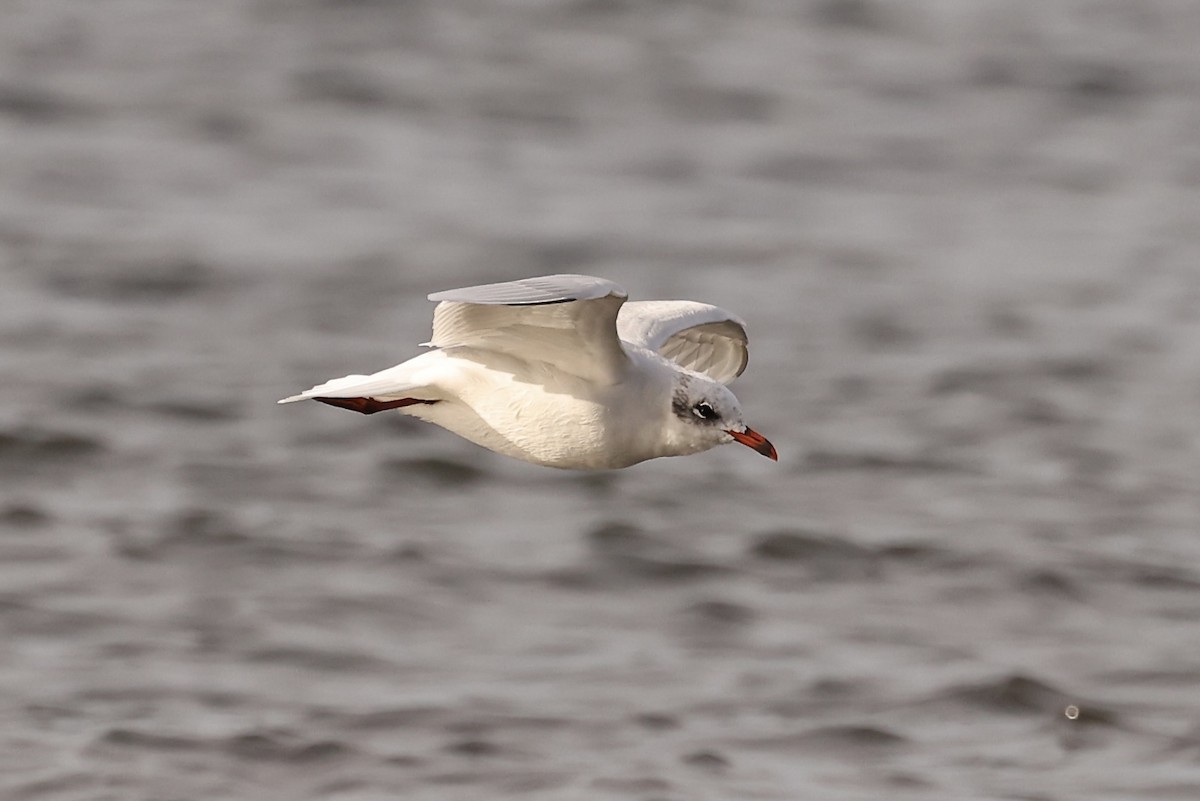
1072, 712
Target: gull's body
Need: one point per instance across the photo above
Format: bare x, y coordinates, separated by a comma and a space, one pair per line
513, 408
560, 371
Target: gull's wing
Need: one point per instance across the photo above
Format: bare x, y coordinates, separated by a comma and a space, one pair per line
697, 336
566, 321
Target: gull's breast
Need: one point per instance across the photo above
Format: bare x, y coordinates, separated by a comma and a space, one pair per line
551, 419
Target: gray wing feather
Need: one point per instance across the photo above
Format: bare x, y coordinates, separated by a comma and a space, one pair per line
544, 289
565, 321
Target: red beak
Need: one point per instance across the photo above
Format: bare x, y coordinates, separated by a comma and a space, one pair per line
752, 439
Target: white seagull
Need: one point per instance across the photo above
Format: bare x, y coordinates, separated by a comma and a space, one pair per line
560, 371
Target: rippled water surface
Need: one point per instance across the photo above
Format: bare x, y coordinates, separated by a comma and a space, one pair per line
963, 236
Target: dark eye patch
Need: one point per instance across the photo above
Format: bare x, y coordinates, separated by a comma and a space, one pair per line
704, 411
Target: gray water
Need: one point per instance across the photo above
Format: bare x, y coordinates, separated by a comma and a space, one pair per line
964, 236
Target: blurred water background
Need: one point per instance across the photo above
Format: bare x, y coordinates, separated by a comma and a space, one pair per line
964, 235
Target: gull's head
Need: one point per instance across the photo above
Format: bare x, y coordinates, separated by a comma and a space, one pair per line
705, 414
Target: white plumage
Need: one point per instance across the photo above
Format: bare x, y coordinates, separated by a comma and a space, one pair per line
559, 370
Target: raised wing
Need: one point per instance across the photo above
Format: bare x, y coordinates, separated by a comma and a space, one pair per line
566, 321
697, 336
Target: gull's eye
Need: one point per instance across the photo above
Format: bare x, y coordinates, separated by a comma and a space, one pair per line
704, 411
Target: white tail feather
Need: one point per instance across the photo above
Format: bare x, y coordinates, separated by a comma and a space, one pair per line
385, 385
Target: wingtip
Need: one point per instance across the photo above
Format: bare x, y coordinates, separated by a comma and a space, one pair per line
291, 399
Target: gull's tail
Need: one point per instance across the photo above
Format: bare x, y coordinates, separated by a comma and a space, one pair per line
388, 389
